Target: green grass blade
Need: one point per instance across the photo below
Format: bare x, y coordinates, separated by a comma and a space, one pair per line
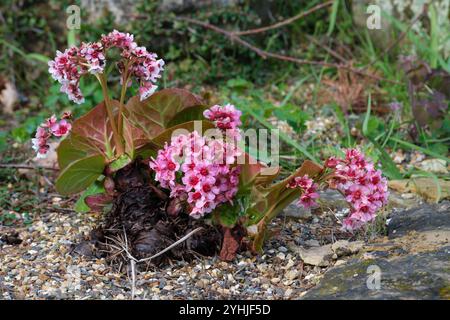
333, 15
283, 136
423, 150
434, 35
389, 167
367, 117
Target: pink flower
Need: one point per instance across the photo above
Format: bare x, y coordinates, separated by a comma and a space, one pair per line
60, 129
39, 143
144, 65
364, 188
118, 39
226, 118
50, 127
49, 122
331, 162
69, 66
308, 188
92, 54
189, 165
146, 90
308, 199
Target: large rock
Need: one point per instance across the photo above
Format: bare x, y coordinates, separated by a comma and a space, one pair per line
420, 276
424, 218
411, 263
344, 248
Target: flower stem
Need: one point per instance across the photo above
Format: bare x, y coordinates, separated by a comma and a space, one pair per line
116, 136
122, 98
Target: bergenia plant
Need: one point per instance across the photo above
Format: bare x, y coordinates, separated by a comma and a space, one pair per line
168, 148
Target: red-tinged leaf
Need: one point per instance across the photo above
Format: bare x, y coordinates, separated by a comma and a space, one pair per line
158, 141
96, 129
109, 186
134, 137
97, 202
166, 135
232, 239
155, 114
256, 173
188, 114
268, 202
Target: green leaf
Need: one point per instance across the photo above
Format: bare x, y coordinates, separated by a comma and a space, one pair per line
389, 167
415, 147
20, 134
227, 215
71, 38
365, 128
239, 84
80, 174
38, 57
73, 148
3, 141
120, 162
333, 15
283, 136
95, 188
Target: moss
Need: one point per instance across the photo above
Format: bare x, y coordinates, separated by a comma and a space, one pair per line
444, 292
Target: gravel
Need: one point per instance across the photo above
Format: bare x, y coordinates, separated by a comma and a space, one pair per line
44, 266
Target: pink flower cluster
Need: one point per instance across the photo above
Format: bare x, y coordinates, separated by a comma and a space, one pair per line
207, 177
308, 188
199, 169
226, 118
363, 186
69, 66
144, 65
50, 127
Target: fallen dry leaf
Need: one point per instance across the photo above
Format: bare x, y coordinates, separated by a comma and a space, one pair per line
425, 187
8, 95
434, 165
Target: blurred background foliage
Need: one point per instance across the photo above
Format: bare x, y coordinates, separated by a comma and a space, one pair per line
317, 109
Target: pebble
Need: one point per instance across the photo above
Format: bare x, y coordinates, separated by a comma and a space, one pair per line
282, 249
288, 293
39, 267
292, 274
275, 280
281, 256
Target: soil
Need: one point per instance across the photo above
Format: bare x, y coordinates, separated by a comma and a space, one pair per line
145, 220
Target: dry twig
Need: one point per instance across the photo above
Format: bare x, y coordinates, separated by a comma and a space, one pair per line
266, 54
122, 246
25, 166
284, 22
